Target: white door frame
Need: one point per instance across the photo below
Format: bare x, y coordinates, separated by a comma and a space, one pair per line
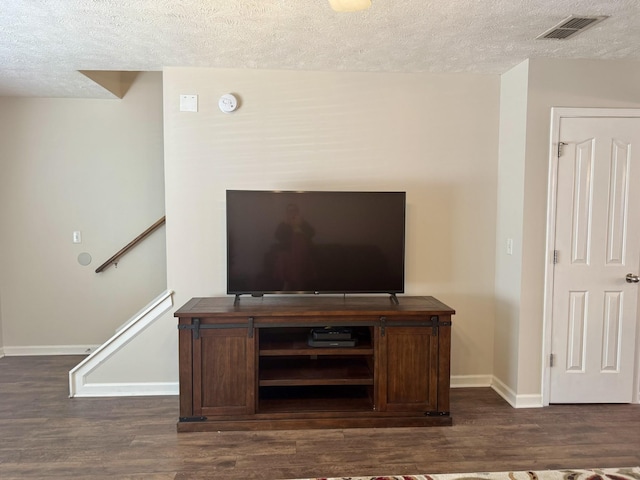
557, 113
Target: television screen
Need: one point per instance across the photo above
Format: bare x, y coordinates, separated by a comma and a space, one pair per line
315, 242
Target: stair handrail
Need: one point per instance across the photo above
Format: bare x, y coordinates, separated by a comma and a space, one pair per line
131, 244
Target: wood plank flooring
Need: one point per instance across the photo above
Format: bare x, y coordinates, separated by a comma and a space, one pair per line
44, 434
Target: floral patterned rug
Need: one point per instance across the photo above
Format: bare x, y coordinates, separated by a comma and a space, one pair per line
629, 473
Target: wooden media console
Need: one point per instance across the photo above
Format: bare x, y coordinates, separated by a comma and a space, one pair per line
249, 365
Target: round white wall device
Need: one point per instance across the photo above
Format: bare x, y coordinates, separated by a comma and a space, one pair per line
228, 103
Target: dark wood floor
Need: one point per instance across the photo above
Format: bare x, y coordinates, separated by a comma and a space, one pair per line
44, 434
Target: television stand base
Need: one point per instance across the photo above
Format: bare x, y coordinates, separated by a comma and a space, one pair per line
249, 366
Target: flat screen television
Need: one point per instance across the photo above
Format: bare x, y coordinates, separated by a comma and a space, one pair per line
315, 242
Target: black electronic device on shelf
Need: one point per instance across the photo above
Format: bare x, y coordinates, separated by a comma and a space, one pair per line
332, 337
332, 333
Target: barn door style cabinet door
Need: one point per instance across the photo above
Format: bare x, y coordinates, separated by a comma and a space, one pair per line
251, 364
414, 368
217, 371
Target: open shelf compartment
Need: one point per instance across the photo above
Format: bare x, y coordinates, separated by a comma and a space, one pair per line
294, 341
301, 399
297, 370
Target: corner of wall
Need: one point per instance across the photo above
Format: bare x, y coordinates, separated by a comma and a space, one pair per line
514, 399
509, 223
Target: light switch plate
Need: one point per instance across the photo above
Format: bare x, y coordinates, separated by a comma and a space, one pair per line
188, 103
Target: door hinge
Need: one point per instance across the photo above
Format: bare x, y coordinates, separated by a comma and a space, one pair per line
555, 257
551, 359
560, 149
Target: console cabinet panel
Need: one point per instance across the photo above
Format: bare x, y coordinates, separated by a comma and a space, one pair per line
410, 363
248, 365
223, 372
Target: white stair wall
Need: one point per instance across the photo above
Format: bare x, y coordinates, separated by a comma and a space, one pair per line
79, 386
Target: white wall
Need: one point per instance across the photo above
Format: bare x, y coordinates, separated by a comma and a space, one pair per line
434, 136
540, 84
561, 83
78, 164
513, 124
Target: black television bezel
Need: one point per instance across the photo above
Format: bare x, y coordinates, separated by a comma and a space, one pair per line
260, 293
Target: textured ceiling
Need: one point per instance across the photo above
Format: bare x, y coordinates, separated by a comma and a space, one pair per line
43, 43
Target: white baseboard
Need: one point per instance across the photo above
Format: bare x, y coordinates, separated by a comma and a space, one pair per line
128, 389
39, 350
516, 401
465, 381
172, 388
97, 389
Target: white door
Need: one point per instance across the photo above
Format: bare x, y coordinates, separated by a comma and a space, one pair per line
597, 243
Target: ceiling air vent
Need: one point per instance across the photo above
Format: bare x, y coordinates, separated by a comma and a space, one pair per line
571, 26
